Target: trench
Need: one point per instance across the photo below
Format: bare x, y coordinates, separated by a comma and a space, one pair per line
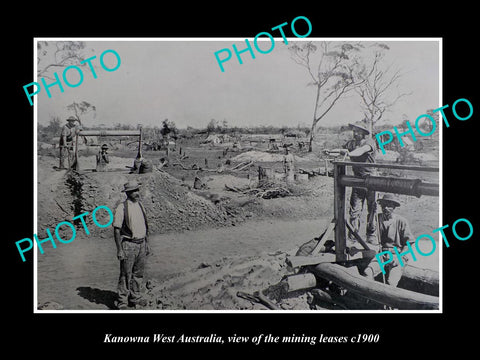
75, 184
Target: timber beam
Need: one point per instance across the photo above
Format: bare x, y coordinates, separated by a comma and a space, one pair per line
385, 294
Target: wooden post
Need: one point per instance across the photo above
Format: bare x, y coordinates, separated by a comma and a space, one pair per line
139, 153
262, 175
325, 237
339, 213
75, 165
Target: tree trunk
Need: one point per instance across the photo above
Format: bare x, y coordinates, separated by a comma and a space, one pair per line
312, 132
314, 121
384, 294
416, 279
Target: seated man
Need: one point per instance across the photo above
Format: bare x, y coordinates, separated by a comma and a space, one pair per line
394, 232
141, 166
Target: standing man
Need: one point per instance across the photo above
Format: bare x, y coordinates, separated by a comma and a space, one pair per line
394, 232
130, 232
362, 149
102, 158
288, 164
67, 143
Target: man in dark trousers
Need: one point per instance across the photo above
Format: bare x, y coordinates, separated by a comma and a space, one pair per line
131, 232
361, 149
67, 142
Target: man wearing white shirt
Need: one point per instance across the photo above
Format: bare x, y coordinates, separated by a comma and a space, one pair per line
130, 232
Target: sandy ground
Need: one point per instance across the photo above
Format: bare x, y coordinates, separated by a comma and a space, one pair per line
82, 275
241, 246
89, 264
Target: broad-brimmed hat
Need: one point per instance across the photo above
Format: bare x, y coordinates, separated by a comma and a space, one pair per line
130, 186
389, 198
104, 146
72, 118
358, 127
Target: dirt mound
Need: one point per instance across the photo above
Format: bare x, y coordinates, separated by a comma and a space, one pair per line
215, 286
170, 205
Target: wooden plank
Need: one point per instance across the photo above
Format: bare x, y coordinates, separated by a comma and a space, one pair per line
325, 237
358, 237
245, 166
298, 261
266, 301
258, 297
240, 164
110, 133
300, 282
385, 294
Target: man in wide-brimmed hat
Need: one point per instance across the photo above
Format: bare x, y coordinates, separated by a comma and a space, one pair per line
102, 158
131, 238
394, 233
288, 164
67, 144
362, 149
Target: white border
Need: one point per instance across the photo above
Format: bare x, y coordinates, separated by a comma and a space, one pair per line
310, 312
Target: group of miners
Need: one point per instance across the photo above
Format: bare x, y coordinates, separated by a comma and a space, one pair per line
68, 150
68, 147
131, 226
130, 220
384, 230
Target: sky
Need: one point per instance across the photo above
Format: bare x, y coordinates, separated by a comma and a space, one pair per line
181, 80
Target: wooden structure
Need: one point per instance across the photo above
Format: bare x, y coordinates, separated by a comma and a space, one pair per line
338, 266
404, 186
83, 133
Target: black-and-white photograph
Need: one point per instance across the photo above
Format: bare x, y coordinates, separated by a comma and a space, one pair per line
238, 175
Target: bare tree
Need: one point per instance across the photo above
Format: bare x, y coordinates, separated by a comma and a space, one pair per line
59, 54
80, 109
379, 90
212, 126
334, 75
